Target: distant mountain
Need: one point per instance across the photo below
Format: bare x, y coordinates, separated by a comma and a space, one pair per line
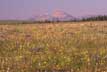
43, 17
55, 16
62, 16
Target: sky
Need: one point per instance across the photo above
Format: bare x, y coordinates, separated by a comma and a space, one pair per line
25, 9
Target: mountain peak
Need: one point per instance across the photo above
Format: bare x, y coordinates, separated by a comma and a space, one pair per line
57, 15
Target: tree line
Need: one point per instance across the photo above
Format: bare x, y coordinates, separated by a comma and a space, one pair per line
95, 18
92, 18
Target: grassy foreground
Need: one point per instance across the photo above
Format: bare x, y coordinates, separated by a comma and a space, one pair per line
54, 47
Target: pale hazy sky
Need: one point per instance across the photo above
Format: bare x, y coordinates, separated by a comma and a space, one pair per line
24, 9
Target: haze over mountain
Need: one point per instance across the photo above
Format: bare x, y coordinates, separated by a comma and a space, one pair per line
55, 16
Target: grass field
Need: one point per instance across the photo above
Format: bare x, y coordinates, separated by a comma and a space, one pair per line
57, 47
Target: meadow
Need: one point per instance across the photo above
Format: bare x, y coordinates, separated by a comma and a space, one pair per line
54, 47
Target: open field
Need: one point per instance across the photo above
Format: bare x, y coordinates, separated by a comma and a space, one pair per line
57, 47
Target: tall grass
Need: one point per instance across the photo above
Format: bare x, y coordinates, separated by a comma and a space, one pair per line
73, 47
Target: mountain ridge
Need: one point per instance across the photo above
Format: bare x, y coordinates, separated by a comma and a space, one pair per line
55, 16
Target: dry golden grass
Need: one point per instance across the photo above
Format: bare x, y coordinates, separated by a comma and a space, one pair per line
75, 47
